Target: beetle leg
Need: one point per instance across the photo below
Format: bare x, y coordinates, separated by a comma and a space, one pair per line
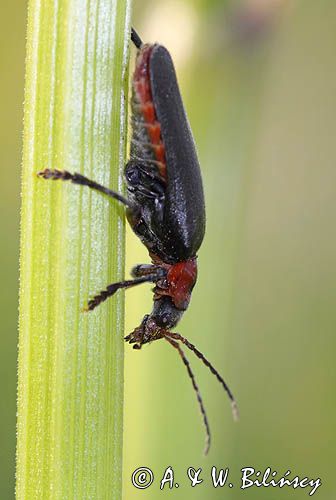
76, 178
111, 290
148, 269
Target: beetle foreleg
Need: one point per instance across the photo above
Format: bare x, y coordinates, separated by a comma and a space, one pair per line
111, 290
76, 178
148, 269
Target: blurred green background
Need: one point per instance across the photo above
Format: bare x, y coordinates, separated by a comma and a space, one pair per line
259, 81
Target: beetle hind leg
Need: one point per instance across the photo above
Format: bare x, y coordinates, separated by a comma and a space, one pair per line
81, 180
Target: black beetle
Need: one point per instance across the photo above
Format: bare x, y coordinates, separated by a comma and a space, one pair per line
165, 204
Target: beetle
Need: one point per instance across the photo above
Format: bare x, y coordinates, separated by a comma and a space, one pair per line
164, 205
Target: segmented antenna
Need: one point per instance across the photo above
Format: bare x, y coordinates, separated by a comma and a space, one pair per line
198, 394
177, 336
136, 39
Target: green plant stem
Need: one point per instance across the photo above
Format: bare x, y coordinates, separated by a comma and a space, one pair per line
70, 392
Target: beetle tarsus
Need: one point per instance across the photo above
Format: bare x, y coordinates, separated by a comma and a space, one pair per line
55, 174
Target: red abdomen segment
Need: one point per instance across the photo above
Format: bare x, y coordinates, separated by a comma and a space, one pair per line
181, 278
143, 96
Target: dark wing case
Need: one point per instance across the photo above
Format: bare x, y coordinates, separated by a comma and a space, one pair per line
184, 212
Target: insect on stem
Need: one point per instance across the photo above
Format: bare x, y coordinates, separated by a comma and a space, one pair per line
163, 163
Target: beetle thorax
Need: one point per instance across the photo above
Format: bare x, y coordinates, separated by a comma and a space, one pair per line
178, 283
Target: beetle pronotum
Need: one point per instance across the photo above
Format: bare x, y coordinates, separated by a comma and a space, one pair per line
164, 206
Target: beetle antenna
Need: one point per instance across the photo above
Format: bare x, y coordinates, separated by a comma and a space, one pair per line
207, 363
198, 394
136, 39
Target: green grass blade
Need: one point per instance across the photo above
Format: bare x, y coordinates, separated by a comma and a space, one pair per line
70, 391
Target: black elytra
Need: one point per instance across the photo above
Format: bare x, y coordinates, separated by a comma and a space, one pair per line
184, 219
164, 205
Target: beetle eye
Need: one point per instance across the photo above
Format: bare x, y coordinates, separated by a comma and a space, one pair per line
132, 175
